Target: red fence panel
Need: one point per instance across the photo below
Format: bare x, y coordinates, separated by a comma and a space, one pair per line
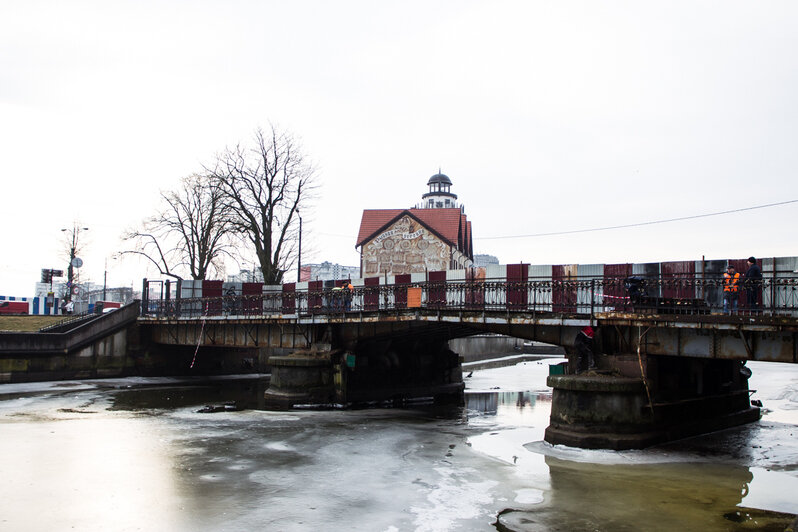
517, 293
400, 290
253, 298
436, 292
614, 292
673, 277
371, 293
213, 289
289, 298
315, 299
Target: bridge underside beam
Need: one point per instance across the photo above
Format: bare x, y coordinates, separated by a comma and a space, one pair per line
711, 343
655, 335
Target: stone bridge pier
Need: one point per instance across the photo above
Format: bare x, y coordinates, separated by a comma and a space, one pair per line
635, 399
347, 367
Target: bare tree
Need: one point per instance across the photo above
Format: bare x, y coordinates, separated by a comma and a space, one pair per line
189, 233
73, 246
265, 185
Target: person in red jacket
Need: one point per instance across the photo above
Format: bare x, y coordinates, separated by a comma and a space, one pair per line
584, 349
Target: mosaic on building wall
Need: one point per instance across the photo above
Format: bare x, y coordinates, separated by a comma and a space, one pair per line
405, 247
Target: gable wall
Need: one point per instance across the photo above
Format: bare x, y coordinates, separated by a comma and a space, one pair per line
405, 247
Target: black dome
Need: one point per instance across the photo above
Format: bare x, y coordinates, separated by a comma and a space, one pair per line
439, 178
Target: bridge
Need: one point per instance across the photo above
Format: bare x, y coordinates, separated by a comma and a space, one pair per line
671, 360
675, 315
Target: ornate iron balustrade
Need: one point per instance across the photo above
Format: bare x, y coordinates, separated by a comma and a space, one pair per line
776, 296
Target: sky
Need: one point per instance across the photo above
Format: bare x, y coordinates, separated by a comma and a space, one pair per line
548, 117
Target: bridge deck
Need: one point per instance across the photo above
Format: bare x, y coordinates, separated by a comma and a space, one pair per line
754, 337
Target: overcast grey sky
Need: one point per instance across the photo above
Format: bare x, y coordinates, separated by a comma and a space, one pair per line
547, 116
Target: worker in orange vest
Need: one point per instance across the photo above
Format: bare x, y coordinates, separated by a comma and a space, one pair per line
731, 290
348, 290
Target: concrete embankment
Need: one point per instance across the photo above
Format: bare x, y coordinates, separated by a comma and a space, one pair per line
93, 346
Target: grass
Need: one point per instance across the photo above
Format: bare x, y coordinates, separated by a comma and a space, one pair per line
27, 323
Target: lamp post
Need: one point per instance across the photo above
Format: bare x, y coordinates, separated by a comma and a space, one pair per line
75, 232
299, 251
105, 276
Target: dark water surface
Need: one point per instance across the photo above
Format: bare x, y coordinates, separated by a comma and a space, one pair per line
138, 454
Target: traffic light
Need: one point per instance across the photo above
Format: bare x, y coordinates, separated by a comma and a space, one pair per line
47, 275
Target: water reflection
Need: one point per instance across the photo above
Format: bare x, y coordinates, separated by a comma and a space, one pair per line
239, 393
489, 402
484, 403
673, 496
527, 409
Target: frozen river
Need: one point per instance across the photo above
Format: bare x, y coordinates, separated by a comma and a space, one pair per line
136, 454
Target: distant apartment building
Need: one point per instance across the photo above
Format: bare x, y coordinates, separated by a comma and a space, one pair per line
327, 271
255, 275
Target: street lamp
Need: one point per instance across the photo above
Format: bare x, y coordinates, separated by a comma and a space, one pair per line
299, 251
72, 262
105, 276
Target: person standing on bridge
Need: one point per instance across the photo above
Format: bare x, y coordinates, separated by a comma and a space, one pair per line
752, 283
336, 299
731, 289
584, 349
348, 290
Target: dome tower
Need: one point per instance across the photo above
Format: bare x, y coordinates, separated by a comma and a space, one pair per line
440, 195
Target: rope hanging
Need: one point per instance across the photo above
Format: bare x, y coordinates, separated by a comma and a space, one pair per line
642, 372
199, 340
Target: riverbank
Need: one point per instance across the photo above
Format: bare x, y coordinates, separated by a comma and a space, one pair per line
27, 323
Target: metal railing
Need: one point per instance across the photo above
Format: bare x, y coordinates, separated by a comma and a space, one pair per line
776, 296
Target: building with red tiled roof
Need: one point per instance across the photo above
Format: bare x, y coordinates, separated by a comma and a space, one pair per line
433, 236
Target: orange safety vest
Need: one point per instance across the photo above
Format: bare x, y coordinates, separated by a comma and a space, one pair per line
730, 282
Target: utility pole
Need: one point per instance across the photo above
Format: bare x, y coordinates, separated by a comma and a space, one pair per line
299, 251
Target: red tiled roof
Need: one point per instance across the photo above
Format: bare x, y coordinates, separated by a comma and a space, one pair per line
449, 224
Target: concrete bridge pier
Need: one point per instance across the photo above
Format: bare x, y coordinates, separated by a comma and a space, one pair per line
366, 371
637, 401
